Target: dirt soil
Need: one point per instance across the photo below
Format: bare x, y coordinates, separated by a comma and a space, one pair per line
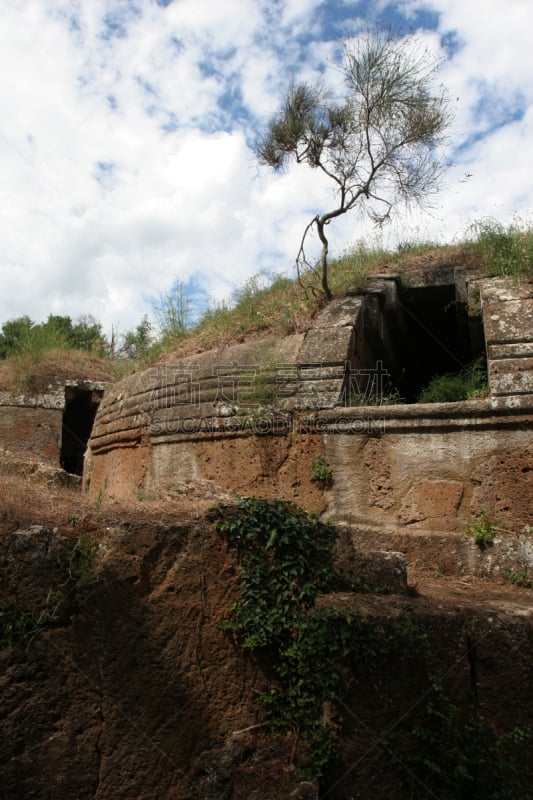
135, 692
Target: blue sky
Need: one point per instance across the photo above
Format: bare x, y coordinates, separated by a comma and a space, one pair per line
126, 134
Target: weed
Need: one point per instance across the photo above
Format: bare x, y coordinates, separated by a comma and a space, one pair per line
374, 398
449, 754
506, 251
19, 627
522, 576
260, 389
100, 497
321, 471
481, 529
414, 247
16, 625
99, 500
79, 562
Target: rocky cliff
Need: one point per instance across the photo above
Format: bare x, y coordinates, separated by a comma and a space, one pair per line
118, 680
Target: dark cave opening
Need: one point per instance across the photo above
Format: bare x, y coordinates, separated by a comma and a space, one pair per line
440, 337
81, 405
413, 333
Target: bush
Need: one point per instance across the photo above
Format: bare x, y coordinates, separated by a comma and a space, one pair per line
321, 471
451, 388
481, 529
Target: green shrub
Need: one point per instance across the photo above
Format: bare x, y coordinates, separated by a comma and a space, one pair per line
520, 577
321, 471
444, 389
470, 382
481, 529
451, 754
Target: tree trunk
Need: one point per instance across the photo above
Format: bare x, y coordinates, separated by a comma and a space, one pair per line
324, 258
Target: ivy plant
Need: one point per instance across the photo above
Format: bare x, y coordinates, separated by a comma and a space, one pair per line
285, 557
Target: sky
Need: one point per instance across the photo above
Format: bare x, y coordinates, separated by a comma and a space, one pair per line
127, 130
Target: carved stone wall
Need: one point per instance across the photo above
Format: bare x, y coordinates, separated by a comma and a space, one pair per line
33, 424
253, 418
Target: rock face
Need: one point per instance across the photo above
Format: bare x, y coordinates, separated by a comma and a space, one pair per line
226, 416
136, 694
134, 690
254, 418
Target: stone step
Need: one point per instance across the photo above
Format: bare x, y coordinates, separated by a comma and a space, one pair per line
447, 553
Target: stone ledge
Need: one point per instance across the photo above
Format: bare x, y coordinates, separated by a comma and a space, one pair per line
447, 553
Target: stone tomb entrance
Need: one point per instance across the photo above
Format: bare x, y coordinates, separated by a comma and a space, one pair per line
81, 404
417, 329
440, 336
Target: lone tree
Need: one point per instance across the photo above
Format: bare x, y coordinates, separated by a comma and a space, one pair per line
378, 143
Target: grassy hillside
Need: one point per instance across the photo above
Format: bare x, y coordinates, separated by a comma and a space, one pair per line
280, 305
33, 372
287, 305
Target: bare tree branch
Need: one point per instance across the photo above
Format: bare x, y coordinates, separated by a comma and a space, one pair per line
378, 145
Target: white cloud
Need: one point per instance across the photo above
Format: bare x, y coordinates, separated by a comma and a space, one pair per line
125, 157
490, 78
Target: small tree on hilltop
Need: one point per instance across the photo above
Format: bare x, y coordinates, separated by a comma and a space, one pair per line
378, 144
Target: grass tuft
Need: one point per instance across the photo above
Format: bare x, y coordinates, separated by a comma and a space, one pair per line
504, 251
34, 372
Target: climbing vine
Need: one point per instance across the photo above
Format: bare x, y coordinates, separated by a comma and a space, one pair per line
450, 752
285, 556
286, 563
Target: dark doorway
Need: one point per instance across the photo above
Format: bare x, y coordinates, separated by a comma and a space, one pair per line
440, 336
81, 405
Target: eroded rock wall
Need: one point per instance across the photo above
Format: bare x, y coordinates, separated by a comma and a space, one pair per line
32, 430
138, 693
433, 477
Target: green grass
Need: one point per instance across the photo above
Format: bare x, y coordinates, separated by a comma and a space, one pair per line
35, 371
504, 251
259, 306
279, 305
